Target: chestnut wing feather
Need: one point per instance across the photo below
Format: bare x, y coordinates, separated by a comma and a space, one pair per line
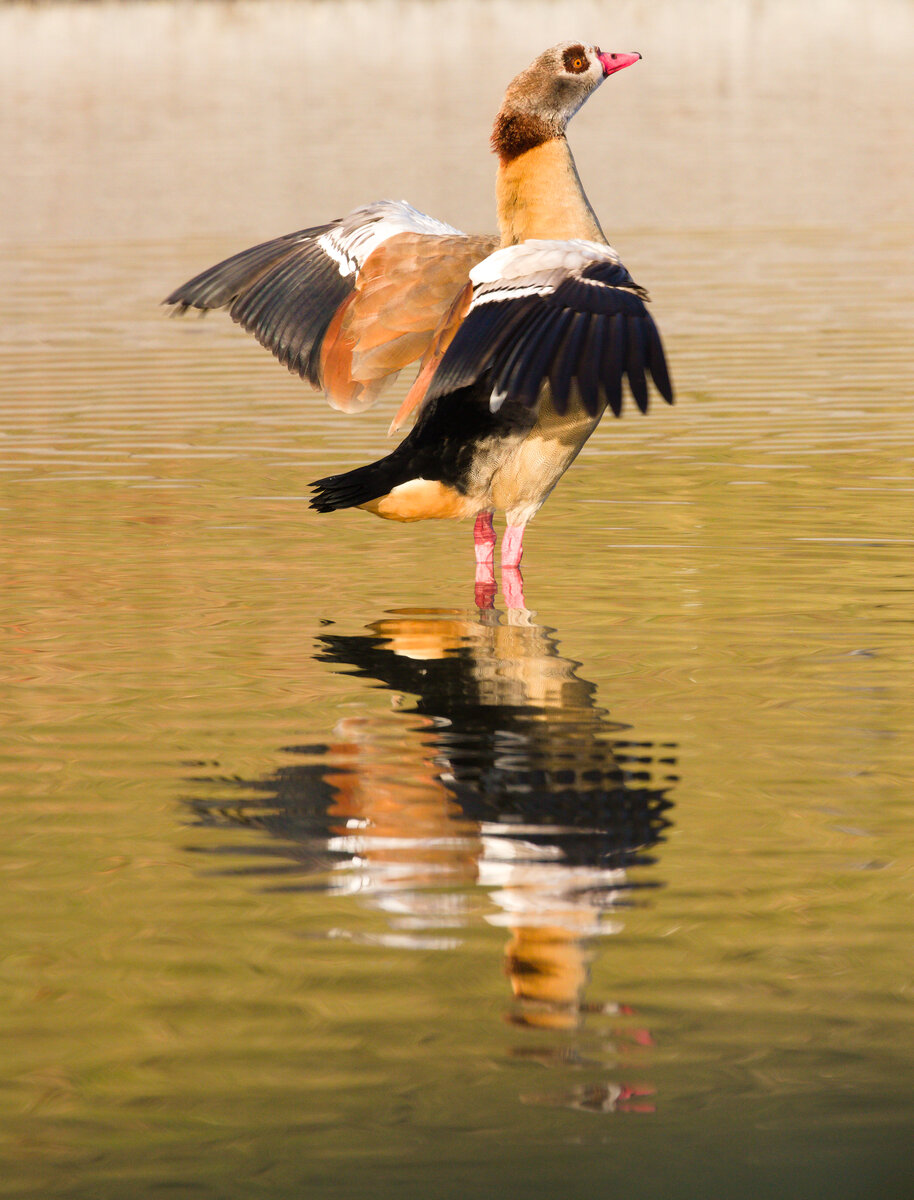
403, 293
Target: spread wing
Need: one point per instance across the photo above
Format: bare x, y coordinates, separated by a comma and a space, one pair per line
567, 313
346, 305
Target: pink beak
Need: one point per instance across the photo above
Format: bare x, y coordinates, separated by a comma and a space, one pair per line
615, 62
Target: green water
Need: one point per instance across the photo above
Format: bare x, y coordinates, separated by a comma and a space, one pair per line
317, 880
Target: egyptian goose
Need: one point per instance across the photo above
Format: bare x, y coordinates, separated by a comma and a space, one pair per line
524, 339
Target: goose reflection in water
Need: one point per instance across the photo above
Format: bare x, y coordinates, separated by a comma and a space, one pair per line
493, 783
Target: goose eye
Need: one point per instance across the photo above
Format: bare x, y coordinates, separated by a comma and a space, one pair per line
575, 60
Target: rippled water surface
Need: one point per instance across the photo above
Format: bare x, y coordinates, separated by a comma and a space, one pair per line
320, 881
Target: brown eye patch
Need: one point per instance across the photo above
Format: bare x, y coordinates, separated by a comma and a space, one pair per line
575, 60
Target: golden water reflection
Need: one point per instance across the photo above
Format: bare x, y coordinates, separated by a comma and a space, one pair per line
495, 772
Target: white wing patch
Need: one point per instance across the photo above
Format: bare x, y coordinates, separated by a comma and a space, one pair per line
361, 232
537, 268
539, 257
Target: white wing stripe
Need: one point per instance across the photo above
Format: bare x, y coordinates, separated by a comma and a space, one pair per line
330, 247
492, 295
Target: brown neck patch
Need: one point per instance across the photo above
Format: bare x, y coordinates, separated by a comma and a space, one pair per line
514, 133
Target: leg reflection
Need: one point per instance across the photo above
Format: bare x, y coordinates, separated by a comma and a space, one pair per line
512, 584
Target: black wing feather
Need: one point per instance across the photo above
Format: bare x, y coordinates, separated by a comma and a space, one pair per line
613, 363
634, 361
536, 366
613, 274
589, 366
285, 292
295, 301
478, 342
262, 303
565, 360
592, 329
656, 362
517, 360
222, 284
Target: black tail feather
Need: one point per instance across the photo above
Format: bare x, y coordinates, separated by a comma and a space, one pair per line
356, 487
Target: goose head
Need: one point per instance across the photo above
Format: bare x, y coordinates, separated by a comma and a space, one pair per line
542, 99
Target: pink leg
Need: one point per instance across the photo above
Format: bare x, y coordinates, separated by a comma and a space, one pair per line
484, 540
512, 546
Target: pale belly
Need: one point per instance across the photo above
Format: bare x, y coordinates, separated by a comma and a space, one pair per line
524, 476
513, 472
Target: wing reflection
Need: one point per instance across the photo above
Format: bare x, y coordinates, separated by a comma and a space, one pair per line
493, 784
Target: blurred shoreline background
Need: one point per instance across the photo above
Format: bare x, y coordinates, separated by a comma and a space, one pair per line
176, 118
